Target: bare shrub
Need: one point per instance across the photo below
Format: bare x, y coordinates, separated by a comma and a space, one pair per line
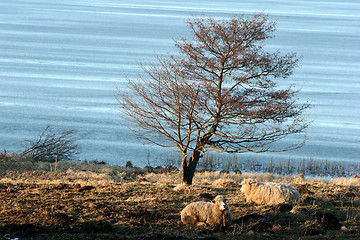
50, 146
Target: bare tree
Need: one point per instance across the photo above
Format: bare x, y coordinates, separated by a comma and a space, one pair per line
218, 94
49, 146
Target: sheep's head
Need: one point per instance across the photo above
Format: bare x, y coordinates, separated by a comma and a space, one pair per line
248, 181
247, 184
221, 203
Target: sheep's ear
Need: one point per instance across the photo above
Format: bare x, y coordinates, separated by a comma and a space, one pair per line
252, 182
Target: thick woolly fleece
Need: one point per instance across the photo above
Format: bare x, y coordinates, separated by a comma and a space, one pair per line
269, 193
214, 214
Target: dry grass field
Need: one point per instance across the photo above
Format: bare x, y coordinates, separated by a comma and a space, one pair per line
106, 204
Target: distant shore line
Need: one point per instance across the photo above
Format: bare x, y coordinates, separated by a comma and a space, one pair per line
210, 162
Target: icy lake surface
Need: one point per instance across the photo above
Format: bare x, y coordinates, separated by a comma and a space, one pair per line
60, 62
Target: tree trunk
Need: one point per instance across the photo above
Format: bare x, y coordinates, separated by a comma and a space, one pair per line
188, 170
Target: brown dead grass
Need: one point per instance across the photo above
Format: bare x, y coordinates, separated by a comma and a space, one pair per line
87, 205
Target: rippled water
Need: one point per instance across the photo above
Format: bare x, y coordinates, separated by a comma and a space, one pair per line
60, 62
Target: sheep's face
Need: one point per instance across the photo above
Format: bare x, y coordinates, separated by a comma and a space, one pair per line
220, 201
247, 184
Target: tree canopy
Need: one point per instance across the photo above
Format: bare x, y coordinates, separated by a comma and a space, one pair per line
218, 93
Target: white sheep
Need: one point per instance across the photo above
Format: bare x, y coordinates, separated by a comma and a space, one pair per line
269, 193
214, 214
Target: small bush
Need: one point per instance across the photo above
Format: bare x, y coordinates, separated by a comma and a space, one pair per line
50, 146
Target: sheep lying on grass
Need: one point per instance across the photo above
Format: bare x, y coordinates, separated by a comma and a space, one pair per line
269, 193
214, 214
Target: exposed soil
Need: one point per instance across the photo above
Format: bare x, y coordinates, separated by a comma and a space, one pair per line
145, 210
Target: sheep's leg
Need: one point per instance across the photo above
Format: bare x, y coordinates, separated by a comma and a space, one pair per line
190, 220
201, 224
